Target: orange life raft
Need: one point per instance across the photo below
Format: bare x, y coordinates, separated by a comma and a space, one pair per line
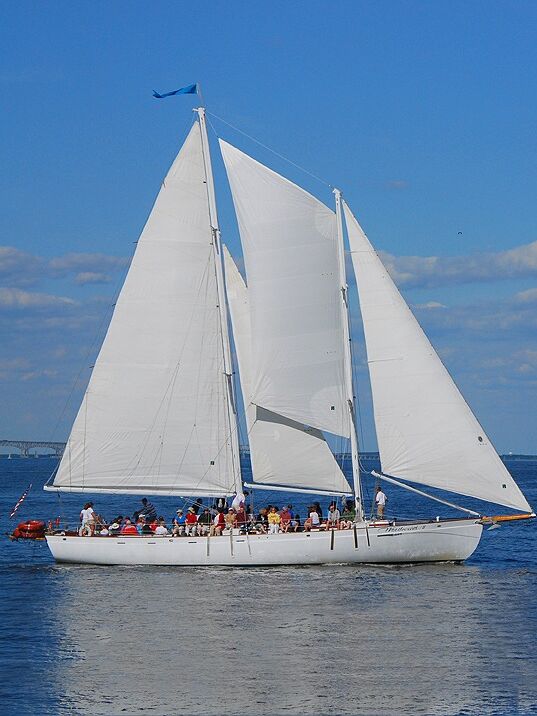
32, 529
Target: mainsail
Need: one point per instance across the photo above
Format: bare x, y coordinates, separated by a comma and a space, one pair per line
154, 417
290, 250
282, 451
426, 431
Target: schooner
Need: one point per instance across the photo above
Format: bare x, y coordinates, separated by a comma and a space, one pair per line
159, 415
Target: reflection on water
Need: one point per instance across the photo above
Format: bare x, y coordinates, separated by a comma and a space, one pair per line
440, 640
325, 640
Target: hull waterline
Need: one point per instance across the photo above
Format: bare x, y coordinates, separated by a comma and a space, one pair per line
447, 541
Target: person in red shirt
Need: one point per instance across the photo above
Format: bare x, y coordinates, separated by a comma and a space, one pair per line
128, 528
285, 518
191, 522
218, 524
240, 517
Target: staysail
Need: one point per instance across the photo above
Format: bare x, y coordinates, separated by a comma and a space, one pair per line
283, 452
290, 249
425, 429
154, 416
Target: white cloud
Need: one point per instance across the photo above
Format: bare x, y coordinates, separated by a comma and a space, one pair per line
430, 305
414, 271
18, 299
76, 263
86, 277
528, 296
19, 268
397, 184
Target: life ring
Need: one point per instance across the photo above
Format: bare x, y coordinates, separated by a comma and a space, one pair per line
32, 526
32, 529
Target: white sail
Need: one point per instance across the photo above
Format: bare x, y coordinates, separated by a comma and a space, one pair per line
290, 249
426, 431
154, 417
282, 451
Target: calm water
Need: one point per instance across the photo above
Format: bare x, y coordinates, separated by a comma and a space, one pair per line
318, 640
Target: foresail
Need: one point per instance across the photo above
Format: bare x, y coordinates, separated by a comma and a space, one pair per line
154, 417
282, 451
426, 431
290, 249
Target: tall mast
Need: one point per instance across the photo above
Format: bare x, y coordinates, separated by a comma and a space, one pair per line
348, 361
222, 304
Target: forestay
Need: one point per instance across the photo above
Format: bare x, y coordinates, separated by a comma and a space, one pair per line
426, 431
290, 250
154, 418
282, 451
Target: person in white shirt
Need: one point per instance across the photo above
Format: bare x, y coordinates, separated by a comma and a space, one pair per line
380, 501
87, 520
334, 515
161, 530
238, 500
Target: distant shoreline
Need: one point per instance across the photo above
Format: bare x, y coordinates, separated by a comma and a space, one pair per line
245, 452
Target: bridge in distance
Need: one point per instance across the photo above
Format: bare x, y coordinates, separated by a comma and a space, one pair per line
58, 447
26, 445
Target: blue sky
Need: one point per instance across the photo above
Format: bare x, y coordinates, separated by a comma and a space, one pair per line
422, 112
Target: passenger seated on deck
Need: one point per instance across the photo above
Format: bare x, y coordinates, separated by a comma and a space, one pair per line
142, 526
261, 523
295, 524
115, 526
128, 528
250, 520
240, 518
178, 524
161, 530
347, 518
274, 520
219, 522
334, 516
230, 519
285, 518
191, 522
204, 522
313, 521
154, 524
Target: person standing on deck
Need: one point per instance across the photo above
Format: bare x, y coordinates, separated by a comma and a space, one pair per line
380, 501
87, 520
148, 511
238, 500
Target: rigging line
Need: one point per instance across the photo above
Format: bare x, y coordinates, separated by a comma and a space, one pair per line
269, 149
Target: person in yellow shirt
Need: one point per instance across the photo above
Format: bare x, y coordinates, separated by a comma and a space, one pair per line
274, 520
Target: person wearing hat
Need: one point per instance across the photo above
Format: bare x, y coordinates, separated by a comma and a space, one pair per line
191, 522
178, 524
205, 521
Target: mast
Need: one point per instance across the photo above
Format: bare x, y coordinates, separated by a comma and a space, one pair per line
222, 305
348, 361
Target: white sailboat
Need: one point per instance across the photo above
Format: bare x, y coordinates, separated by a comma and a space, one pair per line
159, 414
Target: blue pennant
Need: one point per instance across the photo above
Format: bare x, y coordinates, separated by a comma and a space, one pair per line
190, 89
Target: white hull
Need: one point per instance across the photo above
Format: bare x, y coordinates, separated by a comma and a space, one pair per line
452, 540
